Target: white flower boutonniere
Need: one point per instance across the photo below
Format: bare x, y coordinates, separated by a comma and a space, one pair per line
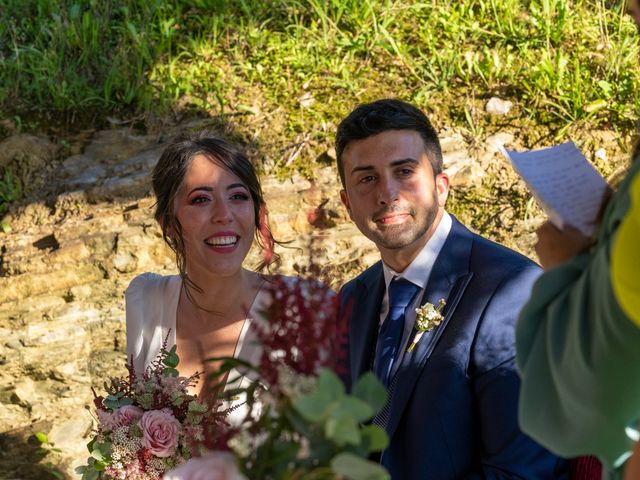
428, 317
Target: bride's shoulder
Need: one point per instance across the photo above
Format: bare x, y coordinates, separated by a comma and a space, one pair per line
149, 283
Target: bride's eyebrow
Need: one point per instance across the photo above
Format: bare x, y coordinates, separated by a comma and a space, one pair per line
210, 189
200, 189
236, 185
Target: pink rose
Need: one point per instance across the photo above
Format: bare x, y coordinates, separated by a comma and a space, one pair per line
128, 414
160, 431
212, 466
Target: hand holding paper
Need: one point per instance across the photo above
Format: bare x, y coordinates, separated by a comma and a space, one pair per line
567, 187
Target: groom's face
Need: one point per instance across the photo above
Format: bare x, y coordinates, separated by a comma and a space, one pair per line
391, 193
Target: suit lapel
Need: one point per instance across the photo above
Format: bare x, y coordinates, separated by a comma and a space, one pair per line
364, 320
449, 278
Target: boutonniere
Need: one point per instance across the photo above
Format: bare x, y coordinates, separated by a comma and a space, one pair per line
428, 317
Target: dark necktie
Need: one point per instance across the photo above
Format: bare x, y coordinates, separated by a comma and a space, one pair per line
401, 294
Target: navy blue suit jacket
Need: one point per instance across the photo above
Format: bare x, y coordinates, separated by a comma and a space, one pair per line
453, 405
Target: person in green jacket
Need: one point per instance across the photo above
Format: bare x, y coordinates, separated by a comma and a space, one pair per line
625, 259
578, 337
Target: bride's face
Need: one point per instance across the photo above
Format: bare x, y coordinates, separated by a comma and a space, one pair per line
216, 213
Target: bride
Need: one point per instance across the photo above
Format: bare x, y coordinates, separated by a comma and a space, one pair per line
211, 209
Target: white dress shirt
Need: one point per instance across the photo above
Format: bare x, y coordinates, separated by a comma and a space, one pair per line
418, 273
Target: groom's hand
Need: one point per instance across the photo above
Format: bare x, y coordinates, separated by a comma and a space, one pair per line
555, 246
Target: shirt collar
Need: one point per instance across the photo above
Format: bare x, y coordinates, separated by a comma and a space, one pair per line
419, 270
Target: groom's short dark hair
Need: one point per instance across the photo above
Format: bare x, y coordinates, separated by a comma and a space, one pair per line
389, 114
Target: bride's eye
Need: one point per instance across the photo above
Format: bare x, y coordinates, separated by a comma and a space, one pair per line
197, 200
239, 196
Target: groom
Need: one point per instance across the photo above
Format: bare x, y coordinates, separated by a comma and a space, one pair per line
453, 394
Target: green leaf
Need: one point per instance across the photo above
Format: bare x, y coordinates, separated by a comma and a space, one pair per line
371, 391
375, 438
91, 444
56, 474
354, 408
101, 452
90, 475
170, 372
343, 430
595, 106
171, 360
97, 454
330, 383
41, 437
356, 468
5, 227
313, 407
318, 404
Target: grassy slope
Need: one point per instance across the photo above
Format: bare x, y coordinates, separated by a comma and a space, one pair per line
282, 73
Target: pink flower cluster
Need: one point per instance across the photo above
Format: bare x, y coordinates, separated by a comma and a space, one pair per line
123, 416
147, 424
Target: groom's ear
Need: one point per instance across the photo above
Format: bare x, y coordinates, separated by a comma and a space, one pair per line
345, 201
442, 188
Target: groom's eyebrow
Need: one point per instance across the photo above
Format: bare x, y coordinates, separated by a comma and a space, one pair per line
395, 163
404, 161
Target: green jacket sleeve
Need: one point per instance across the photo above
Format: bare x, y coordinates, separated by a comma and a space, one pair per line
625, 260
579, 354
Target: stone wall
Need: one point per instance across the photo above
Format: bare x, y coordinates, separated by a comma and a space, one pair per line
86, 229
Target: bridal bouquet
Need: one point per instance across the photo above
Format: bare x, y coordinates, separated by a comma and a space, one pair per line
147, 424
300, 424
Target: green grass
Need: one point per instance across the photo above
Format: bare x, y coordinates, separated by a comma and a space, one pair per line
564, 63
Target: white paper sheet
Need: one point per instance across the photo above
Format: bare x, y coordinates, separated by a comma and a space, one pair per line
565, 184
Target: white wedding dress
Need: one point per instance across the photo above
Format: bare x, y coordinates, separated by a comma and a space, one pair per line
151, 306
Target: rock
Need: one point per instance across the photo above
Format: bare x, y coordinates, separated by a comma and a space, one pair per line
497, 106
459, 165
127, 186
111, 147
306, 100
36, 151
601, 154
501, 139
70, 435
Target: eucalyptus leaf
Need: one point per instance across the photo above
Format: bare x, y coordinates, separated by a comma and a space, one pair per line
171, 360
375, 437
330, 383
354, 408
313, 407
343, 430
97, 454
90, 475
370, 390
91, 444
353, 467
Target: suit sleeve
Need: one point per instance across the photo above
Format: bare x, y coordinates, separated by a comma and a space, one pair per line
506, 452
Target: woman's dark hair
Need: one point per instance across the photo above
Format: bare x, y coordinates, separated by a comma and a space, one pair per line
389, 114
169, 173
